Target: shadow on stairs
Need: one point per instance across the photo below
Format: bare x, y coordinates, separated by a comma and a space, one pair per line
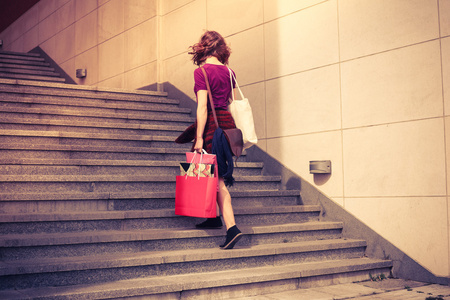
87, 185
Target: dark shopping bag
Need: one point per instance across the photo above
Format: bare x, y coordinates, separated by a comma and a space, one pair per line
195, 195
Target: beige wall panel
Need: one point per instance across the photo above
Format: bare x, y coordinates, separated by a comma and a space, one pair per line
296, 152
111, 58
87, 60
30, 18
262, 144
102, 2
17, 45
57, 21
444, 13
84, 7
65, 41
69, 67
445, 46
65, 15
168, 6
113, 82
141, 44
86, 34
182, 28
274, 9
140, 77
399, 85
417, 226
255, 93
179, 72
304, 102
338, 200
49, 46
110, 20
138, 11
6, 37
231, 16
367, 26
47, 7
303, 40
17, 30
247, 57
31, 39
403, 159
47, 28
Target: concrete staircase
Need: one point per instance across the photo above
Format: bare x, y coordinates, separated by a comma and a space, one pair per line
27, 66
87, 181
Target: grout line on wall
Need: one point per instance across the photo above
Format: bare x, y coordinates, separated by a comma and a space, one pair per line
397, 196
340, 105
264, 80
445, 131
326, 65
392, 49
178, 8
356, 127
294, 12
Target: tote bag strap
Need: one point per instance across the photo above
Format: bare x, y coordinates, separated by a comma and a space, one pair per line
210, 97
237, 85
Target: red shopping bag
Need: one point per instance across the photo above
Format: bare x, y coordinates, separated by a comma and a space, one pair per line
196, 196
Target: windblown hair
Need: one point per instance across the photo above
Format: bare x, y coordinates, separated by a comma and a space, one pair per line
211, 44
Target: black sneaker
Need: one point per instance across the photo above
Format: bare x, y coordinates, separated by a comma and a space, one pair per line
211, 223
233, 236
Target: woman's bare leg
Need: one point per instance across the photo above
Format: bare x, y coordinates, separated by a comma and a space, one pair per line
224, 200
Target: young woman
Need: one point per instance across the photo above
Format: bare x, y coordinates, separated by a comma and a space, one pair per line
212, 53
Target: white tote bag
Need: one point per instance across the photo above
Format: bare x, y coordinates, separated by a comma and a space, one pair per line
242, 115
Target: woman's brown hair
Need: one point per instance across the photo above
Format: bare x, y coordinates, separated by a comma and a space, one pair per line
211, 44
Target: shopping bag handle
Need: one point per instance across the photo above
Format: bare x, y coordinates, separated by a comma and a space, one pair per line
201, 160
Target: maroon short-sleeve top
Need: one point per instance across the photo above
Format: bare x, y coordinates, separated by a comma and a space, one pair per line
219, 81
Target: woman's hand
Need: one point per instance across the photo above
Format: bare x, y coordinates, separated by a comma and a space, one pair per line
198, 147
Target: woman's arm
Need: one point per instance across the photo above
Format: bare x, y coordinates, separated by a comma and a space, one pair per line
202, 115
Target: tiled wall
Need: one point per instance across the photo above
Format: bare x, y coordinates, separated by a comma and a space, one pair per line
115, 40
363, 83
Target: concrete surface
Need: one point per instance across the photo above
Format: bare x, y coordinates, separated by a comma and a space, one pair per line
388, 289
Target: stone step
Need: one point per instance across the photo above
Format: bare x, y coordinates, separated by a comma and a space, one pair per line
20, 61
102, 114
221, 284
116, 183
89, 104
13, 70
105, 167
20, 123
88, 139
31, 77
26, 67
144, 219
89, 99
60, 151
100, 268
22, 246
52, 89
50, 202
70, 115
21, 56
